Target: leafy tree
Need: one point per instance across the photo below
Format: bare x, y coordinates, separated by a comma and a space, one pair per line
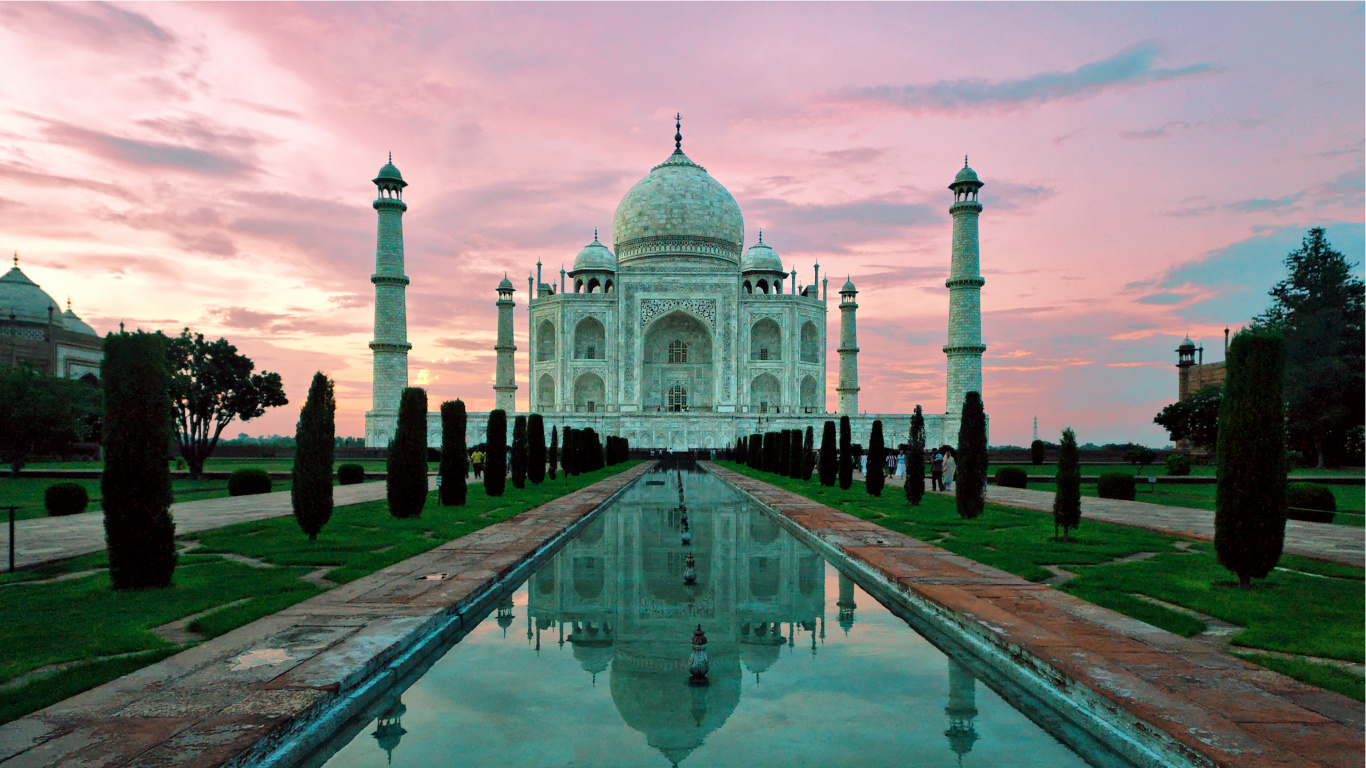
315, 441
454, 456
877, 457
1036, 452
1318, 308
535, 449
829, 458
1249, 503
211, 385
1196, 418
846, 456
809, 454
1140, 457
1067, 493
519, 452
38, 415
971, 485
406, 484
136, 483
553, 457
495, 454
915, 460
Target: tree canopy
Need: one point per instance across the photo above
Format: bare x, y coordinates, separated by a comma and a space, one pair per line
42, 414
1196, 418
211, 385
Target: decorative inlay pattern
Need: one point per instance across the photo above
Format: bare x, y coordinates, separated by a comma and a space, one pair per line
651, 309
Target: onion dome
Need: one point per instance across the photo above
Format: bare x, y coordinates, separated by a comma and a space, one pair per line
389, 174
678, 209
848, 286
595, 256
1187, 343
506, 285
22, 299
761, 258
966, 176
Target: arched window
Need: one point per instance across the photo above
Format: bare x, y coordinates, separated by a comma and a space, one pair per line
748, 287
678, 351
765, 341
594, 286
761, 286
678, 398
609, 287
545, 342
578, 286
810, 343
589, 340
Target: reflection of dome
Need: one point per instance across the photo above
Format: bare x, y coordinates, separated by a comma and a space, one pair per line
595, 255
674, 717
760, 645
22, 299
678, 209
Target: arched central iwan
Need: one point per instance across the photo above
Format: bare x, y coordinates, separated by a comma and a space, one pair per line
678, 356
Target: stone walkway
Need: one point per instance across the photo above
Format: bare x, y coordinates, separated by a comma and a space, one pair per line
1185, 698
44, 539
232, 699
1321, 541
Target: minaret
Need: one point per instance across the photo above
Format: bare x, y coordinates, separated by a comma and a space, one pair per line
848, 386
965, 299
505, 380
390, 347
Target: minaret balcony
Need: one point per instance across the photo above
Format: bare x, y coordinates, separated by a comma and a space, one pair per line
965, 282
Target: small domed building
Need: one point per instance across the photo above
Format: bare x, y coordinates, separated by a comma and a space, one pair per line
34, 331
676, 336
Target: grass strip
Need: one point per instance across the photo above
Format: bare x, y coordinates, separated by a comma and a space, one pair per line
1320, 675
48, 690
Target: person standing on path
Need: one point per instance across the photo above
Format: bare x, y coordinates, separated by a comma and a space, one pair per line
477, 461
937, 472
950, 467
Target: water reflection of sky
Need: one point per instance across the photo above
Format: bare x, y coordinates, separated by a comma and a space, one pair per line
595, 675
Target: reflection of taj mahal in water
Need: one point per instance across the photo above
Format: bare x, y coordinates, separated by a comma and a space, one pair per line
672, 333
616, 595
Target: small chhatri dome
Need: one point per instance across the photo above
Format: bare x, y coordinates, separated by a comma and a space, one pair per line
506, 285
389, 173
761, 258
966, 176
1186, 342
595, 255
74, 323
848, 285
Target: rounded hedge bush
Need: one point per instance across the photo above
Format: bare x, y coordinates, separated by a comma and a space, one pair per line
1178, 465
1116, 485
1011, 477
65, 499
248, 482
350, 474
1310, 496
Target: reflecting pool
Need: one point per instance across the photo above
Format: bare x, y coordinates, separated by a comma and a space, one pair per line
586, 664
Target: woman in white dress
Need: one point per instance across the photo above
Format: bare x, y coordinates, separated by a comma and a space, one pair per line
950, 465
901, 465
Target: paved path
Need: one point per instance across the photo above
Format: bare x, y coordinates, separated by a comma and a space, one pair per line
1322, 541
44, 539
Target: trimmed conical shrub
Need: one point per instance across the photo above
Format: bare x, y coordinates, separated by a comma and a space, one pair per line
553, 457
495, 453
877, 458
519, 452
829, 456
809, 454
846, 455
1249, 504
315, 441
915, 459
454, 456
970, 487
535, 449
784, 439
407, 464
136, 484
1067, 486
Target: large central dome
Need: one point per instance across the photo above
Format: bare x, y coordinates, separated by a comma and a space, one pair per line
678, 209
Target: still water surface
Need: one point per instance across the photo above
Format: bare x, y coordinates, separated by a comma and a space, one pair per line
586, 663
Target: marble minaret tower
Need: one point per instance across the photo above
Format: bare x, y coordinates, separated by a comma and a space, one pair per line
965, 282
505, 375
390, 346
848, 386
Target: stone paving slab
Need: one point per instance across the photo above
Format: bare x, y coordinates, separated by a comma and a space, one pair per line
45, 539
227, 701
1322, 541
1211, 707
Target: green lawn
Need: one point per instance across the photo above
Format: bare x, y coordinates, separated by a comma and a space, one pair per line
1350, 498
219, 465
27, 492
82, 620
1159, 469
1305, 607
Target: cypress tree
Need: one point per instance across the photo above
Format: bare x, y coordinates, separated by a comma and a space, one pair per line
740, 457
794, 454
756, 451
784, 438
1036, 452
877, 457
567, 451
770, 451
1249, 504
915, 461
589, 449
407, 465
971, 486
454, 457
535, 449
1067, 496
553, 457
495, 453
829, 458
519, 452
809, 454
315, 440
136, 483
846, 457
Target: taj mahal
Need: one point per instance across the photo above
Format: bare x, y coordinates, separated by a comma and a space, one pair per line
677, 336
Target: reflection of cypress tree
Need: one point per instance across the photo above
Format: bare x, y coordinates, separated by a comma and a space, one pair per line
389, 727
962, 710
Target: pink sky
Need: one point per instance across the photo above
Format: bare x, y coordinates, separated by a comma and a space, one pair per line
1147, 168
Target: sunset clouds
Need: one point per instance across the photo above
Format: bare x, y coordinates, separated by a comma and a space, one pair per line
1146, 166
